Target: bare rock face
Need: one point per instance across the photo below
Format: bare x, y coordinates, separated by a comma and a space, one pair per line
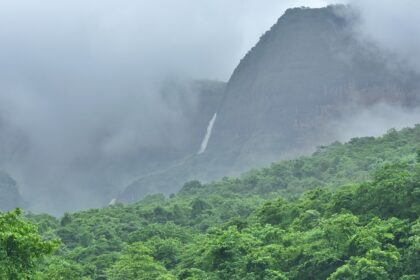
309, 70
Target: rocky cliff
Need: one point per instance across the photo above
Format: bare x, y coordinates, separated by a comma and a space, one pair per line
308, 71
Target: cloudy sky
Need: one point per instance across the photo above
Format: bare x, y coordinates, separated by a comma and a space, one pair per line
196, 38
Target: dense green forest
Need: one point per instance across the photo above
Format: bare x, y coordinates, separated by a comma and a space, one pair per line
349, 211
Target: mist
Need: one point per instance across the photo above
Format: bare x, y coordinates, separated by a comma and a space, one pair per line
375, 121
392, 26
80, 85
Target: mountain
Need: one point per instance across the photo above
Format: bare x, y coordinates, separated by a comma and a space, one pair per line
307, 74
9, 193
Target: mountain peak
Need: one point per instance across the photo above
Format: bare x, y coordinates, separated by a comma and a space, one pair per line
309, 74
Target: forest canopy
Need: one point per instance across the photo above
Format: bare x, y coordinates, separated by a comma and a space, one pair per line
349, 211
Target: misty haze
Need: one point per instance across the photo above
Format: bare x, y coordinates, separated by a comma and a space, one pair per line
209, 139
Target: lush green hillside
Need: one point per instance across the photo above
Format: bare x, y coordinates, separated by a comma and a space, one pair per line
357, 219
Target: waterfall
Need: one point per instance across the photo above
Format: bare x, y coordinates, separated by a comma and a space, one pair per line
208, 134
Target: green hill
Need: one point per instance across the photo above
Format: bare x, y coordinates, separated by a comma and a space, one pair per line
358, 218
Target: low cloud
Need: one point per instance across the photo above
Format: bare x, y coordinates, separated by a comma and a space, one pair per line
393, 26
374, 121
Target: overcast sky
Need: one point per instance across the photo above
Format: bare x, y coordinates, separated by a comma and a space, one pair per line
203, 39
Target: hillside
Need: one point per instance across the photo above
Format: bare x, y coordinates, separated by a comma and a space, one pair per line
301, 86
358, 217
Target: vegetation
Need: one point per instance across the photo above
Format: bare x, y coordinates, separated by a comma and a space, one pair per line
350, 211
20, 246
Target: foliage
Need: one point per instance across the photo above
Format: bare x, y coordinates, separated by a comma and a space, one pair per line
136, 263
349, 211
20, 246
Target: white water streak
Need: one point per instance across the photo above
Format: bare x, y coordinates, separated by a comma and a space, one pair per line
208, 134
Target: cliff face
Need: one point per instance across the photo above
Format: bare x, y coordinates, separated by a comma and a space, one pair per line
198, 101
308, 71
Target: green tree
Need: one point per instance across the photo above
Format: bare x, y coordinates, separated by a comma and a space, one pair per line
57, 268
136, 263
361, 269
21, 247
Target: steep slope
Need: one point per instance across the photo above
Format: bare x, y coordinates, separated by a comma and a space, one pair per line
198, 101
305, 75
306, 71
193, 104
